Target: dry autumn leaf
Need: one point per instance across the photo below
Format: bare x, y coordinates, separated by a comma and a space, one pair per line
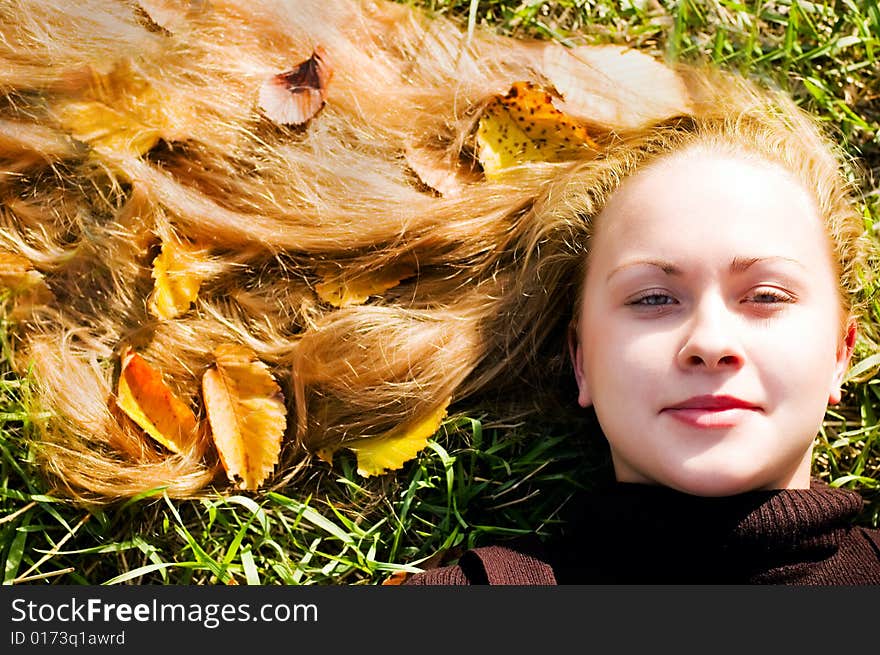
295, 96
614, 85
524, 125
390, 451
177, 283
103, 127
396, 578
173, 15
145, 398
247, 414
26, 285
435, 170
122, 113
341, 292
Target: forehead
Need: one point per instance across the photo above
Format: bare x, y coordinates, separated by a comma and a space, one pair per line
700, 202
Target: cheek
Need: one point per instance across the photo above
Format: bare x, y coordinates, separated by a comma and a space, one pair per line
802, 356
626, 365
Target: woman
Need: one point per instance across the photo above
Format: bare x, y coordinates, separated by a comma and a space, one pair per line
715, 261
177, 202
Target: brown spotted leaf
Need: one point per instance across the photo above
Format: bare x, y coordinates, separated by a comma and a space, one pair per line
524, 125
247, 414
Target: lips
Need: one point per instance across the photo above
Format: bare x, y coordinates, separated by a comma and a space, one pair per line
716, 403
712, 411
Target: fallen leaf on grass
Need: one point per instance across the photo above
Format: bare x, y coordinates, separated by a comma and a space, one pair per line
247, 414
389, 451
145, 399
396, 578
295, 96
524, 126
176, 284
340, 291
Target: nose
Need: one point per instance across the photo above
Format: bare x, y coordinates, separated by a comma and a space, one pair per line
711, 338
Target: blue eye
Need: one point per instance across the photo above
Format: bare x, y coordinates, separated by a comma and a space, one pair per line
772, 296
654, 300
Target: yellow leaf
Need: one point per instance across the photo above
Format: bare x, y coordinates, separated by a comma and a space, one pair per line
145, 398
122, 113
341, 292
247, 414
391, 450
524, 125
105, 128
176, 284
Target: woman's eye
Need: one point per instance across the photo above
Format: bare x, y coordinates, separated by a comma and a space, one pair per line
770, 296
654, 300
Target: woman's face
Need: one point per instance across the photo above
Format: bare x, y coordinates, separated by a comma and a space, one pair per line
709, 338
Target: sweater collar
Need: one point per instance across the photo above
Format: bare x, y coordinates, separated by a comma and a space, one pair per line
781, 521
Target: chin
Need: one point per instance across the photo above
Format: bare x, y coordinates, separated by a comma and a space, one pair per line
715, 483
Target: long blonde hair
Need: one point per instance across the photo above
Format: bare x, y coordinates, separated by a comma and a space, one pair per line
268, 207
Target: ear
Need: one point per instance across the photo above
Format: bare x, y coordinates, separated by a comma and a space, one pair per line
844, 355
577, 360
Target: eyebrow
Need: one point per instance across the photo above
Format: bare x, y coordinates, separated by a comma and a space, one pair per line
737, 264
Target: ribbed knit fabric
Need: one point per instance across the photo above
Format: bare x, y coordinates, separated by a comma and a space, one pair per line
643, 534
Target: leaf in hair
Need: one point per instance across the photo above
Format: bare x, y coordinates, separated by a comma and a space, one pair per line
105, 128
173, 15
341, 291
247, 414
146, 399
295, 96
613, 85
523, 126
390, 451
120, 112
23, 284
177, 281
435, 170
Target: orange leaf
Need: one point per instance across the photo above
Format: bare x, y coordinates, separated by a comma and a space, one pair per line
247, 414
396, 578
144, 397
295, 96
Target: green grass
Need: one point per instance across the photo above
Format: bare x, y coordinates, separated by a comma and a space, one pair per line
475, 483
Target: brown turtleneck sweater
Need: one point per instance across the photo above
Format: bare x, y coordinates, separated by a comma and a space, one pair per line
642, 534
